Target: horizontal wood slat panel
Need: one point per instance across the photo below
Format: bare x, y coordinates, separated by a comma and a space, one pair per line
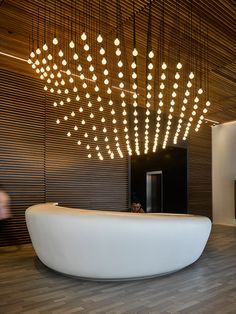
199, 173
39, 163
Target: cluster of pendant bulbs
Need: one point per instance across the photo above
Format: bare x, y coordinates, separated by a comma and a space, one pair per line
59, 79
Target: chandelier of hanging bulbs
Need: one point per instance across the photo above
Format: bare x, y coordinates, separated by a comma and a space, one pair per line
106, 119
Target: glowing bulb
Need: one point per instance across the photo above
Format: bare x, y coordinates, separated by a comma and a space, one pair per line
29, 61
151, 54
104, 61
135, 52
83, 36
118, 52
134, 75
32, 54
102, 51
191, 75
164, 66
89, 58
150, 66
163, 76
149, 77
60, 53
208, 103
200, 91
79, 68
45, 47
86, 47
38, 51
75, 56
33, 66
99, 38
55, 41
120, 64
120, 74
49, 57
37, 62
64, 62
177, 75
175, 85
116, 42
105, 72
72, 44
196, 99
187, 93
179, 65
91, 68
133, 65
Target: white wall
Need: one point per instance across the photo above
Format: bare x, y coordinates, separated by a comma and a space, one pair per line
224, 172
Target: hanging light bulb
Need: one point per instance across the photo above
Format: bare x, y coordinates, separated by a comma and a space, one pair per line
191, 75
83, 36
75, 56
86, 47
179, 65
32, 54
177, 75
133, 65
164, 66
150, 66
118, 52
72, 44
163, 76
102, 51
38, 51
200, 91
151, 54
208, 103
104, 61
99, 38
116, 42
55, 41
135, 52
60, 53
120, 64
91, 68
189, 84
89, 58
64, 62
45, 47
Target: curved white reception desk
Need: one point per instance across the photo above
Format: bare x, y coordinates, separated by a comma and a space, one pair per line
115, 245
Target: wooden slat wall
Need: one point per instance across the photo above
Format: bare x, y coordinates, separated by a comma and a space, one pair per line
199, 173
21, 146
38, 166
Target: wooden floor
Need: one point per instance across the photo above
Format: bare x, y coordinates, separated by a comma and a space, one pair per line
208, 286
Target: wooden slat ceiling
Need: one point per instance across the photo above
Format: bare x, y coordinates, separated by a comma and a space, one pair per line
217, 16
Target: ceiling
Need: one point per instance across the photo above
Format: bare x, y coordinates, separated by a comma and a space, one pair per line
217, 19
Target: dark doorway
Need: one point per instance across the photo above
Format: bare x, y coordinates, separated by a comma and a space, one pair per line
154, 191
172, 162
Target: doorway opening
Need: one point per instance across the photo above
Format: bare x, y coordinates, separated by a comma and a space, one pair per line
154, 191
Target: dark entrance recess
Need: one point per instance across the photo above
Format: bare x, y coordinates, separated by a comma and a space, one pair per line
164, 172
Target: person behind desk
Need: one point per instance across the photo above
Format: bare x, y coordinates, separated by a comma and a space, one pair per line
136, 208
